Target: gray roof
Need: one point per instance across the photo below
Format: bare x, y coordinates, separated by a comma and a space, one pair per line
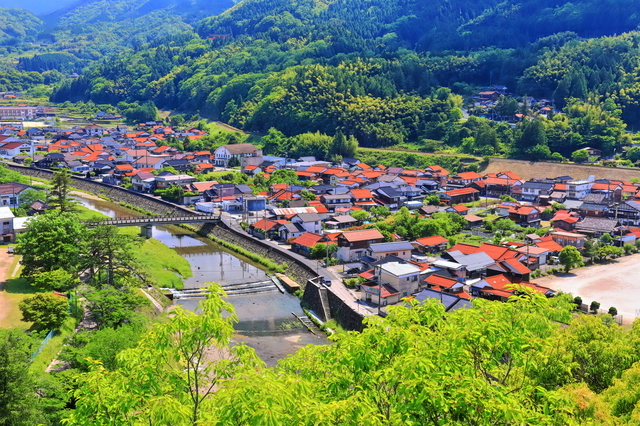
398, 245
451, 302
594, 206
472, 262
309, 217
538, 185
597, 224
572, 204
343, 218
595, 198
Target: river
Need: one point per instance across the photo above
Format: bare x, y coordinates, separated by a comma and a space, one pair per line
265, 320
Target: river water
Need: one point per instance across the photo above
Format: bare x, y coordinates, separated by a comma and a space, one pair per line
265, 320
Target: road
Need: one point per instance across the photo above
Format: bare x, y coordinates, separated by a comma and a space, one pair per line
614, 284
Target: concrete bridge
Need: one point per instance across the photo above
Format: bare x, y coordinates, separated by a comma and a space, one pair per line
146, 223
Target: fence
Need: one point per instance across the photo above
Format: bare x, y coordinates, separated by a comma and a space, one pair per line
43, 344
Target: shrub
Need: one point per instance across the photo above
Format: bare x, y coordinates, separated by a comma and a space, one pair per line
613, 311
577, 300
594, 306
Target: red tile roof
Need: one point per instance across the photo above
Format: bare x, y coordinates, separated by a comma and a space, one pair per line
308, 239
432, 241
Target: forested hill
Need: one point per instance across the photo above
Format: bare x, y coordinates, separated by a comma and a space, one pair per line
17, 24
427, 25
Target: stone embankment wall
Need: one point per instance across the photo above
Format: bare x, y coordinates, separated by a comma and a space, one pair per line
146, 202
339, 310
300, 273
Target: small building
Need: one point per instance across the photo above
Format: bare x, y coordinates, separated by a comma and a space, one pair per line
569, 239
401, 249
403, 276
433, 244
352, 245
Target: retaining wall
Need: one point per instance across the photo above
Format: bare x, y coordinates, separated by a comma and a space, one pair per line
147, 202
343, 313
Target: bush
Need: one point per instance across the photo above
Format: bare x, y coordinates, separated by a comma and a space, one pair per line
613, 311
577, 300
594, 306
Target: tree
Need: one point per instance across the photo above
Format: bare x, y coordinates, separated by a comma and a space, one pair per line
613, 311
380, 212
30, 196
606, 238
360, 215
578, 301
178, 365
19, 402
432, 200
56, 280
505, 224
570, 257
108, 255
52, 241
113, 307
594, 306
46, 311
580, 156
59, 193
320, 250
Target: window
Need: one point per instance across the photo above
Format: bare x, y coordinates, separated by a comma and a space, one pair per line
414, 278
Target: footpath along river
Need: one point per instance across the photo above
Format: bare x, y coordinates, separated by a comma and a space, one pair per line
265, 318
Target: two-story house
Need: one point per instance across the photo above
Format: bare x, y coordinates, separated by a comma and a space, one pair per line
531, 191
401, 249
352, 245
164, 182
333, 201
578, 189
225, 153
525, 215
311, 222
403, 276
362, 198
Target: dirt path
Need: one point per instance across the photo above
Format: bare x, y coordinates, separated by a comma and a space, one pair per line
612, 284
6, 260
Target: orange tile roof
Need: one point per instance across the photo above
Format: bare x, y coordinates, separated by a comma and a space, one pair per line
432, 241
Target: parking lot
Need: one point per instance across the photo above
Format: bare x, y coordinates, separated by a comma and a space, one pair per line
615, 283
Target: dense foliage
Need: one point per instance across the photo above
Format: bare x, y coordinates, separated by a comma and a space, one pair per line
495, 364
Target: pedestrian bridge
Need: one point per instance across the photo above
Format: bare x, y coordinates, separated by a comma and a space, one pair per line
145, 223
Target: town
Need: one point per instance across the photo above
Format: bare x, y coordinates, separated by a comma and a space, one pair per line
382, 233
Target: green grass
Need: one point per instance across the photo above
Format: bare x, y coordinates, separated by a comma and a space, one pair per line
162, 266
53, 347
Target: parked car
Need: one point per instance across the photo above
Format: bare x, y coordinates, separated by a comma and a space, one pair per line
11, 250
326, 281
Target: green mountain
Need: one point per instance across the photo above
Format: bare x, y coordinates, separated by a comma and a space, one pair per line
17, 24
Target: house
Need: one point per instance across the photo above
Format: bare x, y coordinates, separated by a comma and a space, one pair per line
371, 293
433, 244
565, 220
593, 209
224, 154
525, 215
473, 221
531, 191
165, 181
451, 301
289, 230
460, 209
7, 217
143, 182
264, 228
473, 265
352, 245
305, 242
311, 222
401, 249
460, 180
10, 194
341, 222
334, 201
569, 239
11, 149
403, 276
390, 197
534, 256
597, 226
459, 196
578, 189
362, 198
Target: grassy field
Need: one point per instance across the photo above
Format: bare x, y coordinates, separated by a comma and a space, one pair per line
16, 290
529, 169
53, 347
